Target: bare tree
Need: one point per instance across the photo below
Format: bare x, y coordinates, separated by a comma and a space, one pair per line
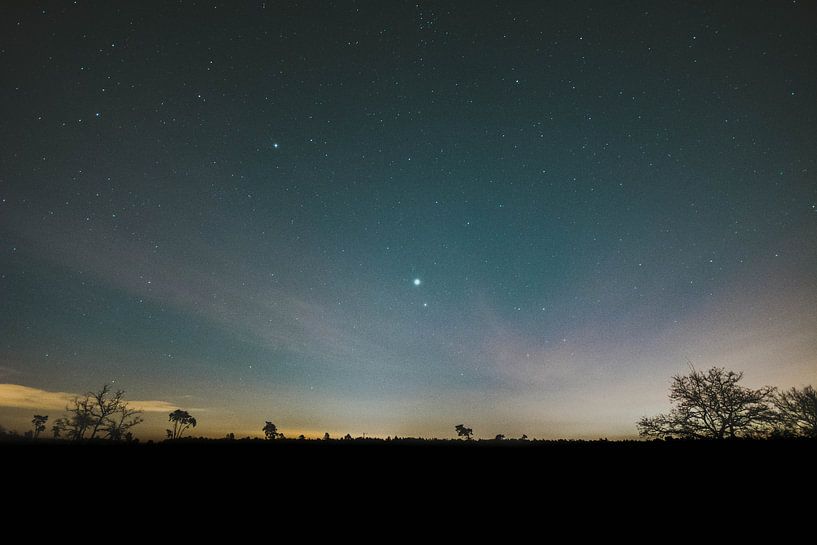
80, 417
270, 430
103, 411
463, 431
104, 405
39, 424
181, 422
711, 405
796, 411
121, 421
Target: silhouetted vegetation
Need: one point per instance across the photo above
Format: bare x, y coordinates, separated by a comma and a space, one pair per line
181, 422
58, 428
270, 430
39, 424
463, 431
796, 412
95, 415
708, 404
712, 405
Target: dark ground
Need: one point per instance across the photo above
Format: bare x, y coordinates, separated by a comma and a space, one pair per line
367, 459
401, 487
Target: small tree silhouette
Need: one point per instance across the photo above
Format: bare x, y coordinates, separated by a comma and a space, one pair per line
796, 411
326, 436
270, 430
59, 426
499, 437
39, 424
181, 422
463, 431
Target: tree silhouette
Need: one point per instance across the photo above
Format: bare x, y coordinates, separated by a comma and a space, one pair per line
100, 412
523, 438
104, 405
59, 426
711, 405
122, 420
796, 411
181, 422
80, 417
270, 430
499, 437
326, 436
39, 424
462, 431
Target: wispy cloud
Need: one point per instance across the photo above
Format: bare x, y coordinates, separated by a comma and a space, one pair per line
153, 406
25, 397
239, 302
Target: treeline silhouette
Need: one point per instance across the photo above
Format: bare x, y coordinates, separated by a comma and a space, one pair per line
713, 405
706, 405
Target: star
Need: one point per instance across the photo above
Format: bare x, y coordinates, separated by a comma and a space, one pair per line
417, 281
275, 145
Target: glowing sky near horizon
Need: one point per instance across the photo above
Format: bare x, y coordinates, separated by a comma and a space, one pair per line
395, 217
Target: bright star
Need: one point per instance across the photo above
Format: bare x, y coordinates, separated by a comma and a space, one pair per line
417, 282
275, 145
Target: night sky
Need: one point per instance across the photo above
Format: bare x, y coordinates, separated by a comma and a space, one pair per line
391, 217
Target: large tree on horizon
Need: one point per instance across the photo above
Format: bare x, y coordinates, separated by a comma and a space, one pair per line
711, 405
94, 413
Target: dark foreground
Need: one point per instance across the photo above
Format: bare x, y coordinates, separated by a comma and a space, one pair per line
532, 484
362, 458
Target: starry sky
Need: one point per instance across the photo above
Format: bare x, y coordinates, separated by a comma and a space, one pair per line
393, 217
